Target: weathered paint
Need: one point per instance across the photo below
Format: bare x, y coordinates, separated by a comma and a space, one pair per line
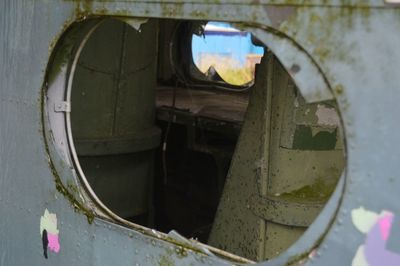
281, 186
346, 44
327, 116
49, 232
304, 139
364, 219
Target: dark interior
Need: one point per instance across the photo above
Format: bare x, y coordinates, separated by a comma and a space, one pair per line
203, 130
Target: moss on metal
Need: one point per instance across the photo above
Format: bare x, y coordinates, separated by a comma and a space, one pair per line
319, 191
165, 261
76, 204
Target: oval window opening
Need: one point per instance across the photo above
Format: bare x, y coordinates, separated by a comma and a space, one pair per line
224, 53
246, 172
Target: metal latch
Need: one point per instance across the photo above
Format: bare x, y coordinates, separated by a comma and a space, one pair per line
62, 107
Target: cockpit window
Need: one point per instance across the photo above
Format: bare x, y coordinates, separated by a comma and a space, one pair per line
224, 53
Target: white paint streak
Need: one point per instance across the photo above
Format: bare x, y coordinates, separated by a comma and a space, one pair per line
135, 23
364, 219
49, 222
359, 258
327, 116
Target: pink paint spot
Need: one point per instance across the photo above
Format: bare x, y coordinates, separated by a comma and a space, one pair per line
375, 250
385, 223
54, 245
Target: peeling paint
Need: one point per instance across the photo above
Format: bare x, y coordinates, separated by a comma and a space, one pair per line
49, 232
306, 139
327, 116
364, 219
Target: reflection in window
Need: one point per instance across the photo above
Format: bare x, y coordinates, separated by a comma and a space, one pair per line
225, 53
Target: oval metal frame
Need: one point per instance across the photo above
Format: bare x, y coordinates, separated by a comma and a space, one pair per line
312, 93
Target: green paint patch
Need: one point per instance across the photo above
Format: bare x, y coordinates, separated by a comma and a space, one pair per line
305, 140
320, 191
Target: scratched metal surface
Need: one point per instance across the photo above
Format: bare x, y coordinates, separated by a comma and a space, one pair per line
348, 51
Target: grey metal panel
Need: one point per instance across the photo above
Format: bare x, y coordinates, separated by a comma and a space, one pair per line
94, 115
234, 213
362, 67
284, 212
112, 113
367, 90
306, 243
333, 3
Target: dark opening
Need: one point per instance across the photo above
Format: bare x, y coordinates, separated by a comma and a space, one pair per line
200, 134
